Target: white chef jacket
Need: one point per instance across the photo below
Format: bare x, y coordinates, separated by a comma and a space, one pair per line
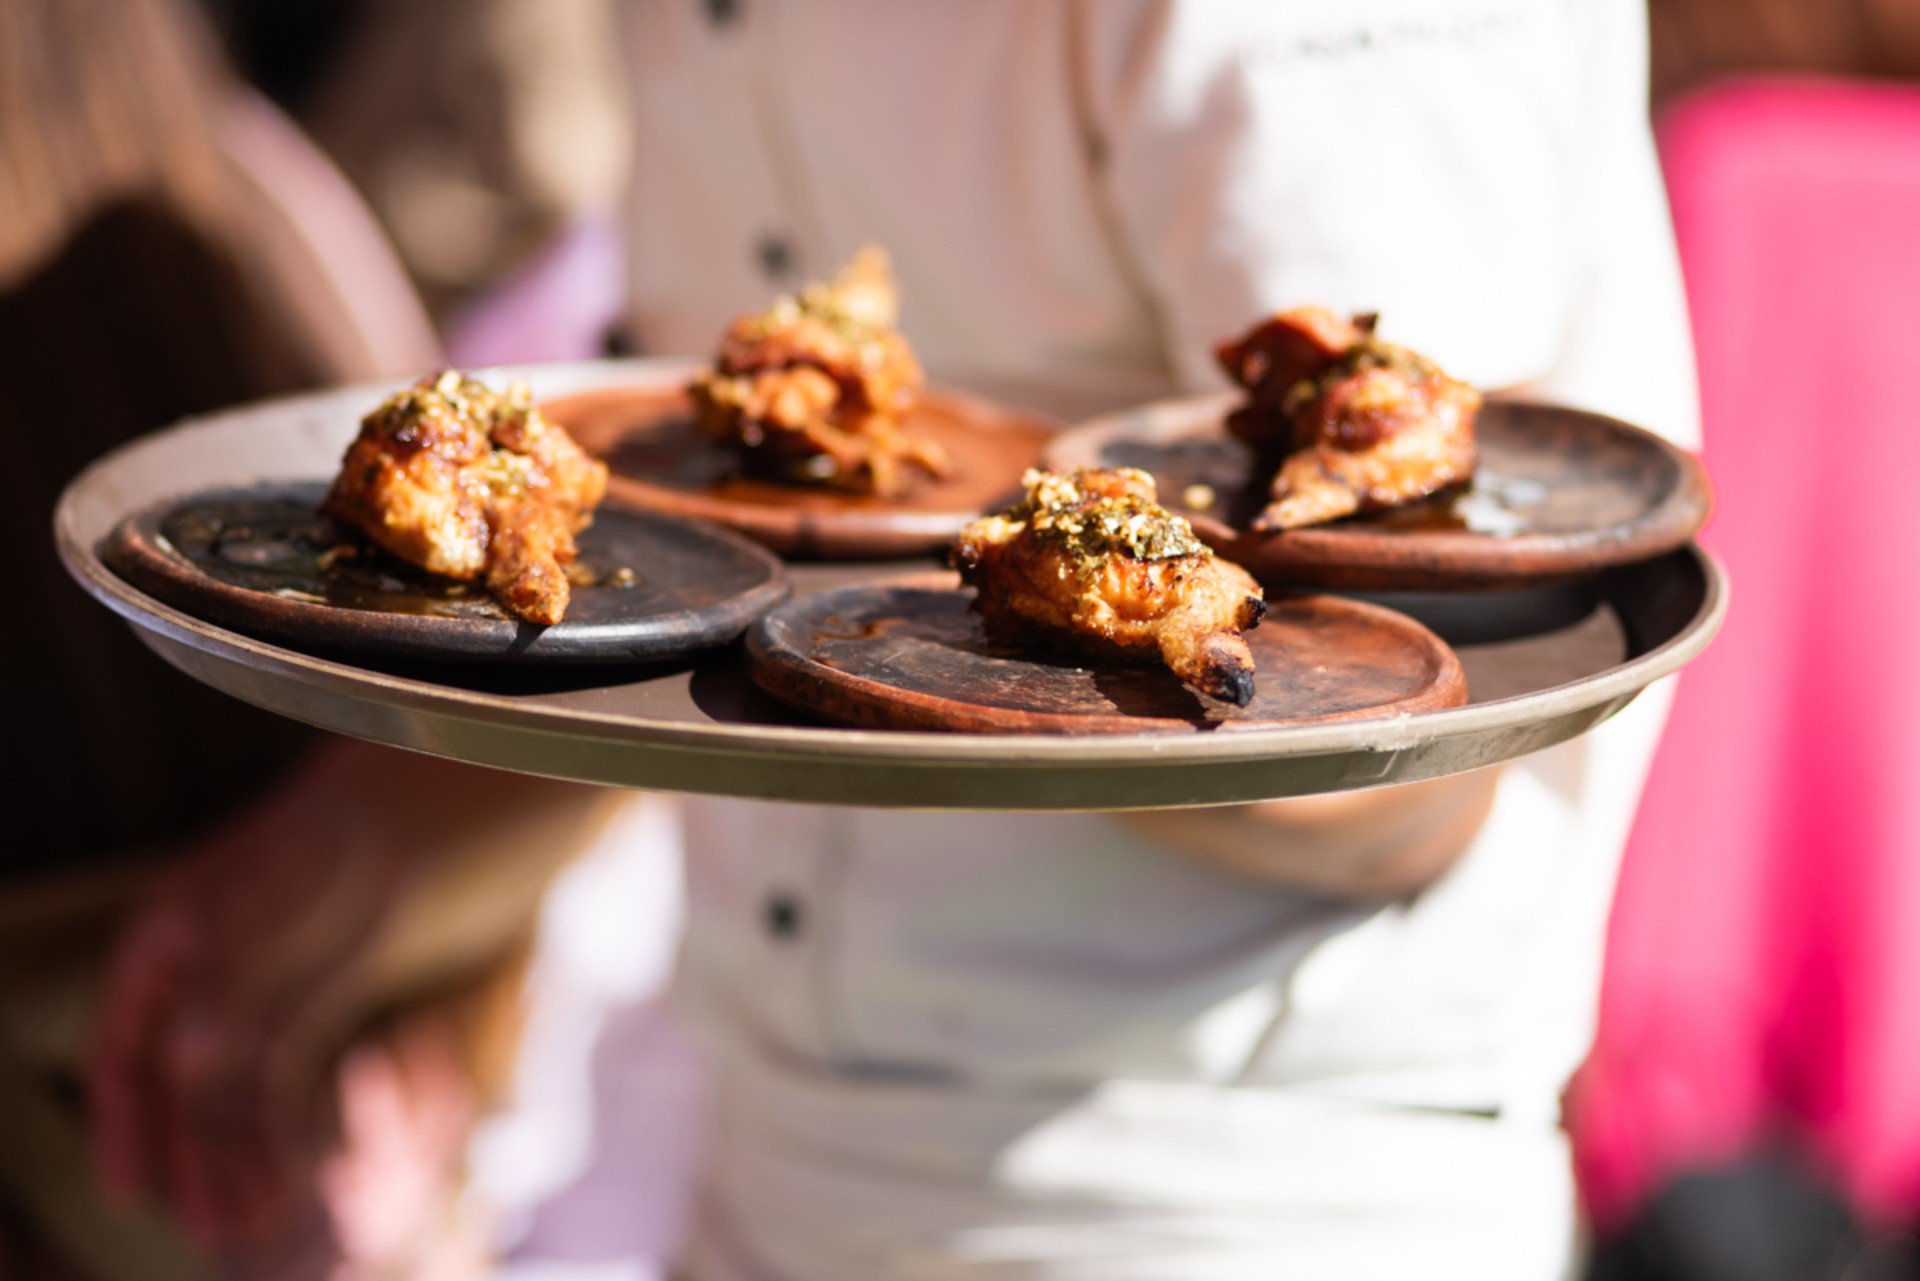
1039, 1046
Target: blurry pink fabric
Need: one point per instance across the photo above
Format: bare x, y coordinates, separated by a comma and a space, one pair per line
1764, 969
558, 306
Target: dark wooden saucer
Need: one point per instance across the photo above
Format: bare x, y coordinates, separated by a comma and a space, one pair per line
1559, 494
909, 654
257, 560
662, 462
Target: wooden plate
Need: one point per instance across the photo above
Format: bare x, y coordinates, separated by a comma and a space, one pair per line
1559, 494
257, 559
910, 654
662, 462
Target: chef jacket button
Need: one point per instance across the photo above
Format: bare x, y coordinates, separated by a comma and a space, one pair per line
775, 253
783, 915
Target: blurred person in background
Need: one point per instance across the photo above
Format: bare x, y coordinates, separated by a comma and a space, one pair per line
168, 245
1748, 1108
1323, 1038
477, 130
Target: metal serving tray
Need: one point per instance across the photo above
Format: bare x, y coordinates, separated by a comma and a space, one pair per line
1542, 667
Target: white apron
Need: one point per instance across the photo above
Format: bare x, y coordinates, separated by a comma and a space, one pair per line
1038, 1047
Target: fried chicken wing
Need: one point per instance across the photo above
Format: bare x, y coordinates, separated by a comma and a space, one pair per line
814, 388
1353, 423
471, 483
1269, 359
1090, 561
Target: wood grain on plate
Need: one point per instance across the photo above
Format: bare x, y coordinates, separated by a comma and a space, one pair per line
1559, 494
662, 462
910, 654
257, 559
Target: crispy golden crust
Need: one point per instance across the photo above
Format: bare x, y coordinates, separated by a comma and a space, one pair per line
1090, 562
1381, 441
467, 482
814, 388
1351, 423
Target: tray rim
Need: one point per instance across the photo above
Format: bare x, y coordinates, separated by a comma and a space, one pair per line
1594, 696
1391, 733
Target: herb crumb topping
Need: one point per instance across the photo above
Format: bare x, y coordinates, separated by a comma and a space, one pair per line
1090, 515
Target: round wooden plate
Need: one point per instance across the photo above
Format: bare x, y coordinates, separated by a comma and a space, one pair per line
662, 462
1559, 494
259, 559
910, 654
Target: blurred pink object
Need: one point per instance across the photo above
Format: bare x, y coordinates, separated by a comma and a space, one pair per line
559, 306
1764, 971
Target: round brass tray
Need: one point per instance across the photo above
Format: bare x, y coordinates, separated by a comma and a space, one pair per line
1542, 666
